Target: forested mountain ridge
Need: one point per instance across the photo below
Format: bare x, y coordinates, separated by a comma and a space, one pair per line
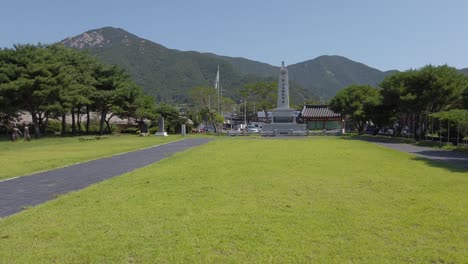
168, 74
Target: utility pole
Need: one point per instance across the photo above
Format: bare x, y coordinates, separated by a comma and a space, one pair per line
218, 88
245, 113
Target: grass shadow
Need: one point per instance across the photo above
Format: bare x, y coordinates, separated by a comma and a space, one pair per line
452, 166
380, 139
452, 161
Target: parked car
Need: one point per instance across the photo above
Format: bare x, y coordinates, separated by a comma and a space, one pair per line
386, 131
252, 129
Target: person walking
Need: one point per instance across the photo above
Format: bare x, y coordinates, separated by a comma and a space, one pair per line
26, 134
13, 132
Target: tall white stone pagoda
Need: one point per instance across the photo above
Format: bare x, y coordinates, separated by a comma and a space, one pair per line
283, 118
282, 113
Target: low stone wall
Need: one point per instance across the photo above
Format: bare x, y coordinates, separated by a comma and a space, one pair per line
284, 129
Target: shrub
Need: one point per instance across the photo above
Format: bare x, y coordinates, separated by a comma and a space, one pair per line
153, 130
131, 130
53, 126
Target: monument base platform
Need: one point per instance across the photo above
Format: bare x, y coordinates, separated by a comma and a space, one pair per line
284, 115
284, 129
161, 134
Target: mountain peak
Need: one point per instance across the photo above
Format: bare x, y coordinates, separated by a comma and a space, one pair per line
86, 40
98, 38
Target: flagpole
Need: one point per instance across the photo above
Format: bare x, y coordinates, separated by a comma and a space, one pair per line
218, 87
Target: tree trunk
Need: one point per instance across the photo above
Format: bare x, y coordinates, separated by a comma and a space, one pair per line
87, 120
108, 123
108, 129
78, 119
215, 127
101, 122
73, 127
46, 122
64, 124
40, 119
359, 127
37, 131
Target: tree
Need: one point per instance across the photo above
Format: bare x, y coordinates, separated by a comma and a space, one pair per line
137, 105
427, 90
52, 81
76, 84
263, 94
8, 97
357, 101
204, 100
172, 118
465, 98
28, 76
456, 118
112, 87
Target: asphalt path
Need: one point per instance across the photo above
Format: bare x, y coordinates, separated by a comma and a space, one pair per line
19, 193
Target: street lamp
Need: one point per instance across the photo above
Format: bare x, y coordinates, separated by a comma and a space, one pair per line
245, 113
243, 103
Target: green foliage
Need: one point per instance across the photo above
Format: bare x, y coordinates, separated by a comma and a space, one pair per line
457, 118
455, 115
264, 94
153, 130
172, 118
169, 74
404, 96
326, 75
465, 98
357, 101
206, 104
52, 81
130, 130
429, 89
53, 126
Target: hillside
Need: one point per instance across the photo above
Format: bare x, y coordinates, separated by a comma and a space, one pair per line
168, 74
465, 71
326, 75
165, 73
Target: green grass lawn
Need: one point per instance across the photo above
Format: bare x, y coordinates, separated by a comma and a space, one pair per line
22, 158
316, 200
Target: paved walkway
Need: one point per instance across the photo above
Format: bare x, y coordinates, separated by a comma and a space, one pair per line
15, 194
456, 159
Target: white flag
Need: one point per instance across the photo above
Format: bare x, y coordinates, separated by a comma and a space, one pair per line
217, 79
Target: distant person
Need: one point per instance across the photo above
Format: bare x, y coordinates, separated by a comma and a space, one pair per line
26, 134
15, 132
11, 131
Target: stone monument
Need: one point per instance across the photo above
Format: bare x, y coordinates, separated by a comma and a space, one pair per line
283, 118
161, 132
183, 130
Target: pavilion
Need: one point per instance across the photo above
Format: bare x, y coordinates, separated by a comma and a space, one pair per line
320, 117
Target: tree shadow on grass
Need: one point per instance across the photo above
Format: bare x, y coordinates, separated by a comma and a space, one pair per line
450, 160
452, 166
380, 139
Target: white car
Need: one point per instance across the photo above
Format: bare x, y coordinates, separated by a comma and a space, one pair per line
252, 129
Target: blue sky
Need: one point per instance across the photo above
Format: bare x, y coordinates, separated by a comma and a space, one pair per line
383, 34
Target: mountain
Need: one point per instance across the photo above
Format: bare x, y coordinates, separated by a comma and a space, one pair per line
169, 74
464, 71
164, 73
326, 75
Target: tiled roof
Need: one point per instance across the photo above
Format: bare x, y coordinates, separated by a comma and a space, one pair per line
318, 111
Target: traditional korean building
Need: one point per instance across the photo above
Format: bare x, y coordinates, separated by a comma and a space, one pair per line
319, 117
